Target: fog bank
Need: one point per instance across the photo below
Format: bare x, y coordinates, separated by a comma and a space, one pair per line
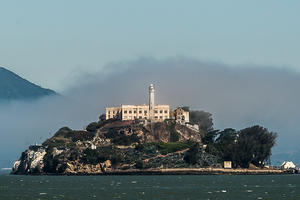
236, 96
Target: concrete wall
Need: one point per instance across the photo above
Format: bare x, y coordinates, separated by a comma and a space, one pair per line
131, 112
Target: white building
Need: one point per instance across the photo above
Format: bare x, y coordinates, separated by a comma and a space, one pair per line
182, 115
131, 112
288, 165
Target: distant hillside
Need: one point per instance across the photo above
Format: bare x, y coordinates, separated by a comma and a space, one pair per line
14, 87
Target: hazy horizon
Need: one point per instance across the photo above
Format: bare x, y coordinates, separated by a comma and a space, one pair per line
236, 59
237, 98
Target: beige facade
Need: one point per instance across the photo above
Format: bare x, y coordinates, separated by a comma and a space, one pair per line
182, 116
227, 164
131, 112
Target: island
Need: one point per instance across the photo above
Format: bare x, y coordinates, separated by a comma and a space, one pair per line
151, 139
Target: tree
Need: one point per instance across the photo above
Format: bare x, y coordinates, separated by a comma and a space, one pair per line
102, 118
250, 145
226, 144
203, 119
210, 137
193, 155
254, 146
92, 127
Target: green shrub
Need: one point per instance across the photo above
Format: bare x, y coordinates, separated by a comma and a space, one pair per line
193, 155
66, 132
164, 148
81, 135
58, 143
125, 140
63, 132
92, 127
100, 155
171, 147
139, 164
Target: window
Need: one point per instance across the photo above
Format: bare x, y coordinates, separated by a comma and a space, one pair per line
166, 111
125, 111
130, 111
145, 111
160, 117
155, 111
156, 117
140, 112
108, 116
108, 112
160, 111
140, 117
134, 111
113, 112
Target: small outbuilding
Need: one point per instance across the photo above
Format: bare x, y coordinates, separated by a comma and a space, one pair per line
288, 165
182, 115
227, 164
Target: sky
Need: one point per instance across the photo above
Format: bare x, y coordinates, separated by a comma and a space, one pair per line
236, 97
238, 60
52, 43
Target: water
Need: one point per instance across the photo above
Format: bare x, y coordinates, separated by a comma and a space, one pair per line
150, 187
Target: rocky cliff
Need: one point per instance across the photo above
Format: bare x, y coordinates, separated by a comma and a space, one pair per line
116, 146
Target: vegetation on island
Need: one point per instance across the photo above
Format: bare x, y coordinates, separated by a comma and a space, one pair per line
109, 145
250, 145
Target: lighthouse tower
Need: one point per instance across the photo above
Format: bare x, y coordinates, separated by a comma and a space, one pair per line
151, 102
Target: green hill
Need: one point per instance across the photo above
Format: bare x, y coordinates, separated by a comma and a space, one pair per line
14, 87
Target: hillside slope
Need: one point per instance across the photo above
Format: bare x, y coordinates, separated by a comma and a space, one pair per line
14, 87
116, 146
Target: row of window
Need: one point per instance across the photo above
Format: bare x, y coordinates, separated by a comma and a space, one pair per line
145, 111
140, 112
113, 112
140, 117
161, 111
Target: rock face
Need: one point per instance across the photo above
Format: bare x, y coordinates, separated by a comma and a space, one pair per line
31, 161
113, 145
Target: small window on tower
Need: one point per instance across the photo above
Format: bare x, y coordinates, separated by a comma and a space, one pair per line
125, 111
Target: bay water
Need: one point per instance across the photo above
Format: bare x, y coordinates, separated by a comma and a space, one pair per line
150, 187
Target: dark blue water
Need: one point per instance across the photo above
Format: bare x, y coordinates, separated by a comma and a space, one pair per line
150, 187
